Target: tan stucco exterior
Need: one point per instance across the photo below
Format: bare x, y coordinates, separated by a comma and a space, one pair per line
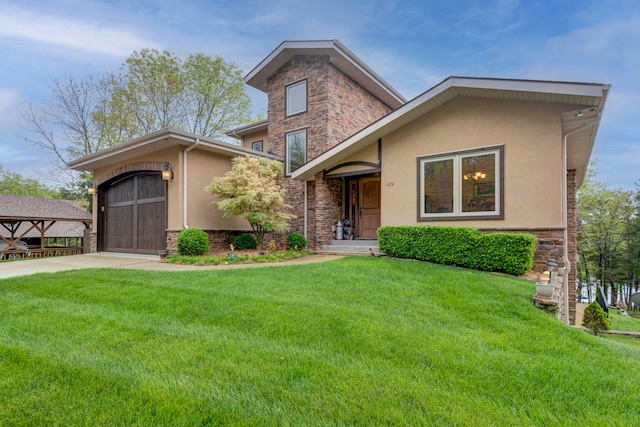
202, 166
248, 140
532, 138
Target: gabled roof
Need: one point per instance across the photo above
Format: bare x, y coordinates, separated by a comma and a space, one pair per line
38, 208
341, 57
579, 126
157, 141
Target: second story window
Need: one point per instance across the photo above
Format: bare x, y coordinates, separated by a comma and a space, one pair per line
296, 151
296, 100
257, 145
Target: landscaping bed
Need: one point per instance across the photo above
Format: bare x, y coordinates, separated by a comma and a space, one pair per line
246, 256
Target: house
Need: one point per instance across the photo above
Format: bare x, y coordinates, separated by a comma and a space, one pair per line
496, 154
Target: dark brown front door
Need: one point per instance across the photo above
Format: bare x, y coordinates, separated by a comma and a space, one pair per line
135, 214
369, 207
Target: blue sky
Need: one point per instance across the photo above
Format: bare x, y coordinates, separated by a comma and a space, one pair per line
413, 45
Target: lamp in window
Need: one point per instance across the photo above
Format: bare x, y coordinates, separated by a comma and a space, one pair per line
167, 172
474, 176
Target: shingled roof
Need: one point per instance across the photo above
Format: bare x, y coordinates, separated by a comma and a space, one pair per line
35, 208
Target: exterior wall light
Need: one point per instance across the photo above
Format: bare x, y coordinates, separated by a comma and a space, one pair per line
167, 172
91, 190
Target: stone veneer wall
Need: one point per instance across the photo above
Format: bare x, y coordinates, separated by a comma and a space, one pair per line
329, 201
351, 108
572, 231
219, 240
337, 107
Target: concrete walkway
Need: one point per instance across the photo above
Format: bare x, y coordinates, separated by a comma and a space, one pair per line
132, 261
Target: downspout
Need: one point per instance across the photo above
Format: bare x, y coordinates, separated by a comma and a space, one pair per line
184, 183
567, 263
305, 210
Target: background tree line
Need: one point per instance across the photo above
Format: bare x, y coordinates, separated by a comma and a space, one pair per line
608, 240
152, 90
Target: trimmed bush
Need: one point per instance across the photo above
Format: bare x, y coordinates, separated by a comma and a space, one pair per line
296, 241
595, 318
192, 241
511, 253
244, 241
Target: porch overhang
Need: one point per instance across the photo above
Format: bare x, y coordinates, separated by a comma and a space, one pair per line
588, 98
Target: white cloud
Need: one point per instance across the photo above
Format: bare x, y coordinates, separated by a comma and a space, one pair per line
88, 35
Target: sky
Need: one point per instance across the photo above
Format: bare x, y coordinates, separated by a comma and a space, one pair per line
413, 45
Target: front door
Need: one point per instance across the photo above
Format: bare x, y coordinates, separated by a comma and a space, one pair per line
368, 207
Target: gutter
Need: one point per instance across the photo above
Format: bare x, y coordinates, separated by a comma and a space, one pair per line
184, 181
306, 219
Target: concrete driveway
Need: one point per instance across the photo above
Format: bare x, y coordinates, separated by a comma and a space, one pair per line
122, 260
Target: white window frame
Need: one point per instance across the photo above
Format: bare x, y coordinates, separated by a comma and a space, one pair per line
289, 95
457, 213
288, 170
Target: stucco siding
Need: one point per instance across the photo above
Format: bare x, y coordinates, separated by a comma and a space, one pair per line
531, 135
248, 140
202, 167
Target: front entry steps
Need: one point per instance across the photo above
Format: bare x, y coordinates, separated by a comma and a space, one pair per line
352, 247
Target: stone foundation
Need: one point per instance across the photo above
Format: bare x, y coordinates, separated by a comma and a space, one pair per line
219, 240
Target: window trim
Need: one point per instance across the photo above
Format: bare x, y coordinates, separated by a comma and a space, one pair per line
286, 97
457, 213
255, 143
287, 165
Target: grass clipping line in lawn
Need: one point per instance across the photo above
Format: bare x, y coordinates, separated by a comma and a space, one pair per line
358, 341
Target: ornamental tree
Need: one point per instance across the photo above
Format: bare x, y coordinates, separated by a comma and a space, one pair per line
250, 190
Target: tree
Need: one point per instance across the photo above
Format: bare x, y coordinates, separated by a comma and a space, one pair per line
152, 91
15, 184
603, 219
595, 318
250, 190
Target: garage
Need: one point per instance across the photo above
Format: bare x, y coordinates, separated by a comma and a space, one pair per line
133, 213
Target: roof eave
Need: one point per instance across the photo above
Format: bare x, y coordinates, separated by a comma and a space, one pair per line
172, 137
238, 133
436, 96
339, 56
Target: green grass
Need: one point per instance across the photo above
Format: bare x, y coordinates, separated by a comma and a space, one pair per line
359, 341
624, 323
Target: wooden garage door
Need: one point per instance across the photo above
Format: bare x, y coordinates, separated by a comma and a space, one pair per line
135, 214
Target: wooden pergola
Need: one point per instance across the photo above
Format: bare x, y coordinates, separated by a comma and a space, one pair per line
26, 216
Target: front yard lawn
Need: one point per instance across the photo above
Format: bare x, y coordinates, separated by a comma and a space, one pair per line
358, 341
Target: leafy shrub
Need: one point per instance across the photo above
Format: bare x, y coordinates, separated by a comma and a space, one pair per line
192, 241
595, 319
296, 241
244, 241
272, 246
462, 246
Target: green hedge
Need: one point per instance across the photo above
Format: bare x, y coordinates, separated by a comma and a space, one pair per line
511, 253
192, 241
